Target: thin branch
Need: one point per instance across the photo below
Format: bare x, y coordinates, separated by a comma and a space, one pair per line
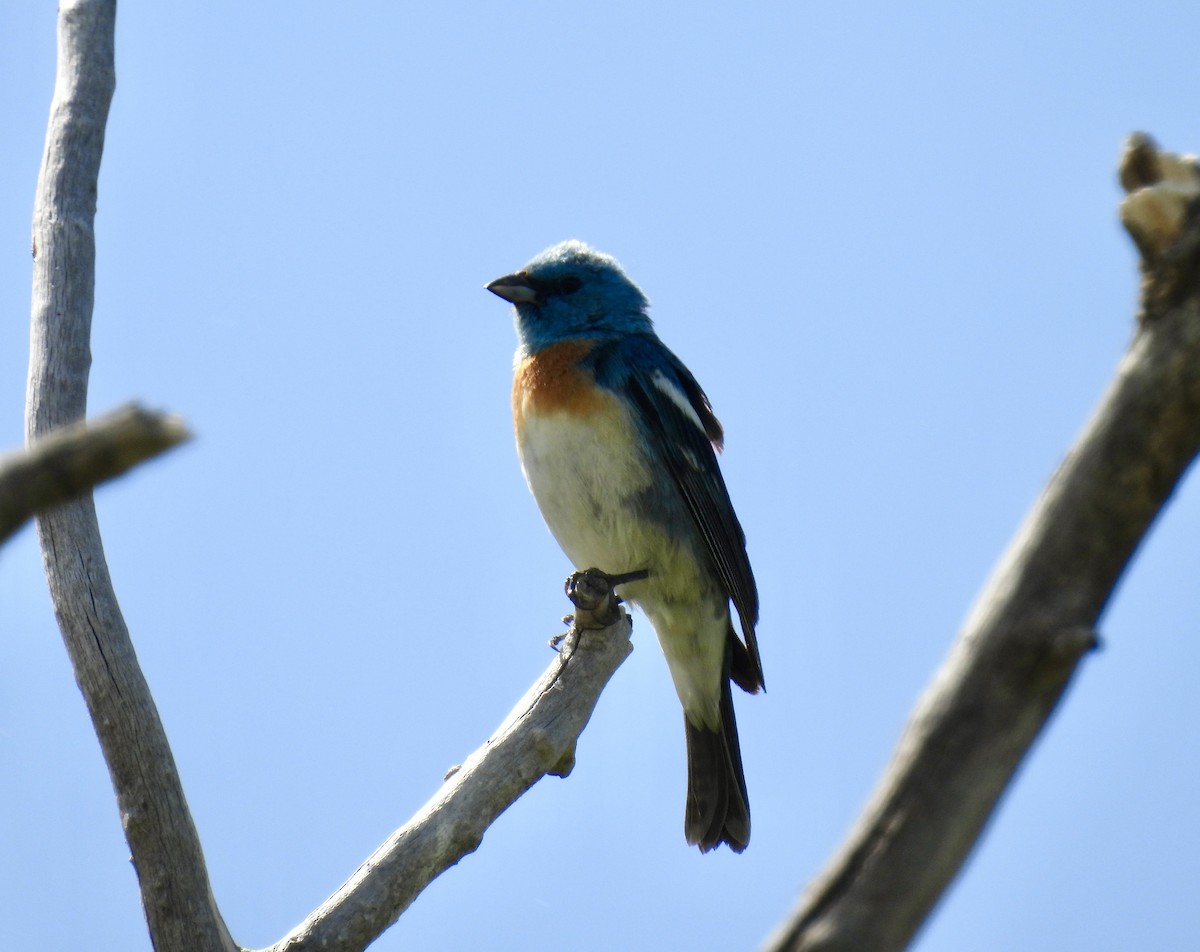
72, 460
537, 738
180, 910
1035, 618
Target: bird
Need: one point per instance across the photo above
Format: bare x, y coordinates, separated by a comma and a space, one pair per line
618, 443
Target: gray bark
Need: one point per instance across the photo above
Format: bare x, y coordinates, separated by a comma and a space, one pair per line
1035, 618
537, 738
1021, 645
179, 907
76, 458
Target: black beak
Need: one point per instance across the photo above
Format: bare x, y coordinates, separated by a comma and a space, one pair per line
514, 288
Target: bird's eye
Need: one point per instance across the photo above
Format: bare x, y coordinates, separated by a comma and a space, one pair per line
569, 285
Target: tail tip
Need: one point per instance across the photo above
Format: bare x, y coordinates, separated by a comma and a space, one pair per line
736, 839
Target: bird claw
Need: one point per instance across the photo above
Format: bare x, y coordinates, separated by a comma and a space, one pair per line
592, 593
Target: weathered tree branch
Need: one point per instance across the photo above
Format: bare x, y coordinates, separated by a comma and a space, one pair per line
537, 738
1035, 618
72, 460
180, 910
1022, 643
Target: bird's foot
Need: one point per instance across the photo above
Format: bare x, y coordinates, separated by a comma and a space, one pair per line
592, 593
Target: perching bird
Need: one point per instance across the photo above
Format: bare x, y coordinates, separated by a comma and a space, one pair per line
617, 442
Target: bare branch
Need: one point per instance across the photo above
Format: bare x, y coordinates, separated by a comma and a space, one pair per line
1034, 620
537, 738
180, 910
72, 460
1032, 624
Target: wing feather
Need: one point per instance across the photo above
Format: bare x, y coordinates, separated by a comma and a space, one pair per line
683, 431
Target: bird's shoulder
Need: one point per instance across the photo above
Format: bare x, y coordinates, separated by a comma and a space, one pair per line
642, 367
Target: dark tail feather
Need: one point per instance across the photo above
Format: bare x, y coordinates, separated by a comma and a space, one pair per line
744, 667
718, 810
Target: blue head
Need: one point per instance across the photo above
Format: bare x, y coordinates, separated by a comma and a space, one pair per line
572, 291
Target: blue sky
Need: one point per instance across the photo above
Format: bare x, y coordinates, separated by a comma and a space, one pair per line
884, 237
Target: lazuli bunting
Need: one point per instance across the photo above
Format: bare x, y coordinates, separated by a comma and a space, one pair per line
618, 444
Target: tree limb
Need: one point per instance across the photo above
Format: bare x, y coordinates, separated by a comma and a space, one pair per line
1035, 618
537, 738
179, 906
72, 460
1018, 650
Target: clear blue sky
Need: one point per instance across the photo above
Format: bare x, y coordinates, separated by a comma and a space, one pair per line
883, 236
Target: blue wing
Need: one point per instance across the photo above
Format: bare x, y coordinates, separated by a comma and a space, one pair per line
677, 420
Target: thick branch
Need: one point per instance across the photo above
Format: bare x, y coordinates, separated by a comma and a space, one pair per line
537, 738
166, 850
1034, 620
72, 460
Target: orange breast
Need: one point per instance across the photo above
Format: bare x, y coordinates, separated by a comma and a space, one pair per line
551, 381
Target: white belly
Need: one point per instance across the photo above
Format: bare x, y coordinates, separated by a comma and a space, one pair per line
585, 487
